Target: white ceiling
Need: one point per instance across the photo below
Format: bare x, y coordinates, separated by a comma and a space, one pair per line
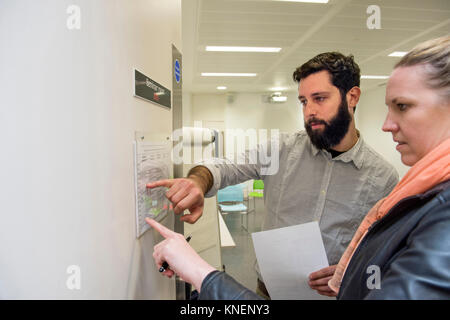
302, 30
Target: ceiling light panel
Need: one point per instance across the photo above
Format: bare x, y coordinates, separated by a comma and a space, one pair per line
308, 1
373, 77
242, 49
227, 74
398, 54
278, 89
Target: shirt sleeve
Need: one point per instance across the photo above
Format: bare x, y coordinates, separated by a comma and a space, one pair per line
251, 164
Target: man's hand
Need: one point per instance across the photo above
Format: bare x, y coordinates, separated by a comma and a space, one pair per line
184, 193
319, 281
182, 259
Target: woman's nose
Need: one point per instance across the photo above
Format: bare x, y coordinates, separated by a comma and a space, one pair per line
389, 124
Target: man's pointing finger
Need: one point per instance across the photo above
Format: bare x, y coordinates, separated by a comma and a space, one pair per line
161, 183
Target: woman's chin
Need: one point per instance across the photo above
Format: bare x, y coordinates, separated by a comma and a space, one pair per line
409, 159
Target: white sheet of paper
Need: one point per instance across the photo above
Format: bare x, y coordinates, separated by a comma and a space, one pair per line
151, 163
286, 257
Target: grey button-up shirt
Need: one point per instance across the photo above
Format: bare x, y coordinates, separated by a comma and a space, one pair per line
310, 185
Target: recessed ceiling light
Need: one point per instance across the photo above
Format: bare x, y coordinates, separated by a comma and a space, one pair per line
397, 54
242, 49
277, 89
221, 88
279, 98
312, 1
374, 77
227, 74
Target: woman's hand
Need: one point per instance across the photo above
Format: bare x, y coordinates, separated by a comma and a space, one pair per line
182, 259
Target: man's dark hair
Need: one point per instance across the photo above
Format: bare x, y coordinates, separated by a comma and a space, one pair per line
344, 72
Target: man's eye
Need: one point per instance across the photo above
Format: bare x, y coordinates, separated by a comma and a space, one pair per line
320, 99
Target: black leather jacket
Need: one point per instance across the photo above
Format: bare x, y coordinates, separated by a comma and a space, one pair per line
409, 248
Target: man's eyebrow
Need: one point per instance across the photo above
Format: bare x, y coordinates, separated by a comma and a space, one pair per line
316, 94
319, 93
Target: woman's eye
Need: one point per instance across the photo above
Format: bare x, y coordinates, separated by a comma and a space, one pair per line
401, 106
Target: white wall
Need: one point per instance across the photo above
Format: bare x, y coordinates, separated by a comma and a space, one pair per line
371, 113
67, 122
247, 110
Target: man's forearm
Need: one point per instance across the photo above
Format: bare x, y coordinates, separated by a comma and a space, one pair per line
202, 176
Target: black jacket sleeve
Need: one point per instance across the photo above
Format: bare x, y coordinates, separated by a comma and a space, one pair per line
422, 269
220, 286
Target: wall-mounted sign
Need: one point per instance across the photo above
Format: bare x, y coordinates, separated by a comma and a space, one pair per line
150, 90
177, 71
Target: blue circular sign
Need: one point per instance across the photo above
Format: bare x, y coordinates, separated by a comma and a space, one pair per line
177, 71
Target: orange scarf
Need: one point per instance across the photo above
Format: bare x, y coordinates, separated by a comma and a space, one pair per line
428, 172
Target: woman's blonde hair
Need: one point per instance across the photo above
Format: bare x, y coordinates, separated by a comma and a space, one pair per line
434, 55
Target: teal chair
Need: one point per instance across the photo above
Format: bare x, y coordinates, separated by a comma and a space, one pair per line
231, 200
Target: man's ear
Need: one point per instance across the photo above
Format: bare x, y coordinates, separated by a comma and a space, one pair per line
353, 97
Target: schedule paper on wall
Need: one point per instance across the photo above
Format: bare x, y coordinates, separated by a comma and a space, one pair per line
152, 162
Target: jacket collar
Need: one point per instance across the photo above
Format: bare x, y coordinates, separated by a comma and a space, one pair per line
435, 190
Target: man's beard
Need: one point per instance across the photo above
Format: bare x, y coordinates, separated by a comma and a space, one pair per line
333, 132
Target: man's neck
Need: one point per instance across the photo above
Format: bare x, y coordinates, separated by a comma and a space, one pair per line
349, 139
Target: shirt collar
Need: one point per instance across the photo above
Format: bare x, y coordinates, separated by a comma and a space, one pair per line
354, 154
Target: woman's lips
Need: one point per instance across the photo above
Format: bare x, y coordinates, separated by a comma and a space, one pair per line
400, 145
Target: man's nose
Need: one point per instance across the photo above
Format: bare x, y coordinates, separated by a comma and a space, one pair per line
310, 110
